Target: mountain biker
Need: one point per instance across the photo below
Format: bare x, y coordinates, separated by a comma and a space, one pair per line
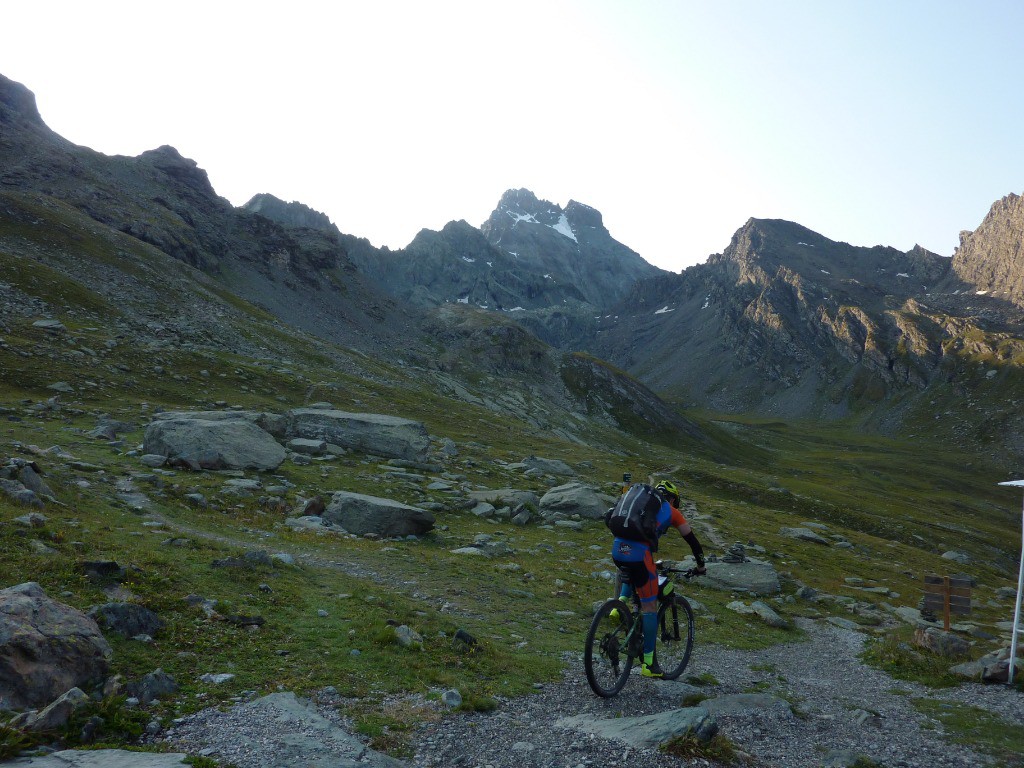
634, 557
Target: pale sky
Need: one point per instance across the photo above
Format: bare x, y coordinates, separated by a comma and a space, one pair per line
875, 122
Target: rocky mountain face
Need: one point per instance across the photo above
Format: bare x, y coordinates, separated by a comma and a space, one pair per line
570, 247
529, 257
157, 252
786, 322
293, 214
304, 276
991, 258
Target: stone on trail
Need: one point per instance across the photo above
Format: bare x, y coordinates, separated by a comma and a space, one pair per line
102, 758
740, 703
649, 731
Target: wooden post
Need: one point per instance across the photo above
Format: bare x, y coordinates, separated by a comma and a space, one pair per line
945, 610
950, 595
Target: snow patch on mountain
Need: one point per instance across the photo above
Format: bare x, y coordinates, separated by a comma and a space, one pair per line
563, 228
518, 217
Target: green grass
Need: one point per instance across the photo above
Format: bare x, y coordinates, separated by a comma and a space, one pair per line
976, 728
894, 653
719, 749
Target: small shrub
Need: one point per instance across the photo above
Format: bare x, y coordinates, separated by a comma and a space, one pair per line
474, 703
12, 742
719, 749
704, 678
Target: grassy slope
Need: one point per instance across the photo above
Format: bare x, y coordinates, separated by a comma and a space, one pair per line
901, 503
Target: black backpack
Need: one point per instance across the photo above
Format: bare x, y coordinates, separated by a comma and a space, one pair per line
635, 515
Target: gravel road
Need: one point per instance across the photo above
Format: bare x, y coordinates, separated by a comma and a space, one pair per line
838, 705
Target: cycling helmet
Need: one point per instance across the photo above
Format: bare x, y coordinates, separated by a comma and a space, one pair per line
668, 488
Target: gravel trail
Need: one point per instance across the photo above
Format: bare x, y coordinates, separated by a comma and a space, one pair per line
838, 704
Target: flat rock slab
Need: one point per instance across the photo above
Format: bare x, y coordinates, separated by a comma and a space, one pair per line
288, 731
745, 703
102, 758
374, 433
650, 731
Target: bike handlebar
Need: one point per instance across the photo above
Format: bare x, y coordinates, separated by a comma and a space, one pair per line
687, 573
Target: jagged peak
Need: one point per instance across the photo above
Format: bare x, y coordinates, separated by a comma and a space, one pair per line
294, 214
17, 101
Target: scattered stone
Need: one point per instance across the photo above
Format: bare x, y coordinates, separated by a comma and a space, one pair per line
768, 615
957, 557
153, 686
50, 325
941, 642
451, 698
307, 446
838, 621
126, 619
408, 637
845, 758
216, 679
57, 714
804, 534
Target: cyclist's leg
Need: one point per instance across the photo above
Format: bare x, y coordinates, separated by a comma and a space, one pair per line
648, 594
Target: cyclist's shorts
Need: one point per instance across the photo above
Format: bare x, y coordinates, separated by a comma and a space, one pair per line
642, 575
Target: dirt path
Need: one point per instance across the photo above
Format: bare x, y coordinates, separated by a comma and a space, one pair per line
823, 700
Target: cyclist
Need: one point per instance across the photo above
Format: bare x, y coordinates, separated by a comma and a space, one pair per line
635, 558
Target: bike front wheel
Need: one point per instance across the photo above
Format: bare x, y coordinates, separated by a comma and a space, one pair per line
606, 657
675, 636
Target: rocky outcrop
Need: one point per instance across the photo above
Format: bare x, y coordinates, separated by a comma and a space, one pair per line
291, 214
991, 258
46, 648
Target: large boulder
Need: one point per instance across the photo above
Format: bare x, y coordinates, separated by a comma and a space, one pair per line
214, 440
575, 499
754, 576
374, 433
46, 648
361, 514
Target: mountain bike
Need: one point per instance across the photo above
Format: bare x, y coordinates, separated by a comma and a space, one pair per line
616, 636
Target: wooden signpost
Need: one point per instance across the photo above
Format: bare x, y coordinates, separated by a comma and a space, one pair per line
947, 594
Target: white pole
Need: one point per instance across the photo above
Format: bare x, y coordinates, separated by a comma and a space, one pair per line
1020, 595
1016, 610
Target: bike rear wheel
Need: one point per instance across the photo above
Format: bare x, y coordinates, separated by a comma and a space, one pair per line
675, 636
606, 658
